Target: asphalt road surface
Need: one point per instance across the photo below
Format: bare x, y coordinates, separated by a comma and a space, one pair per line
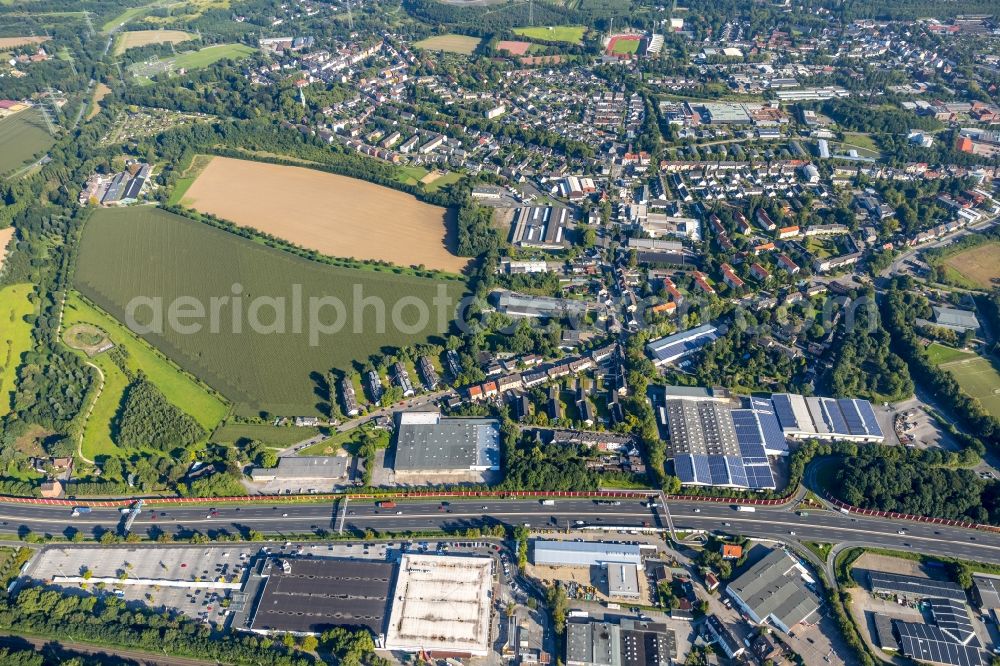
779, 522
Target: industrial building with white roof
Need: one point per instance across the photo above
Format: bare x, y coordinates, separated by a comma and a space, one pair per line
441, 604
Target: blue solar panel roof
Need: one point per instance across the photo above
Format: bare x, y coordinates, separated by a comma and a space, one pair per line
783, 410
774, 438
834, 417
868, 414
719, 471
737, 473
684, 467
759, 477
855, 424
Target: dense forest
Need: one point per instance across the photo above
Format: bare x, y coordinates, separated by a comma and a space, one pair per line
148, 419
863, 364
910, 481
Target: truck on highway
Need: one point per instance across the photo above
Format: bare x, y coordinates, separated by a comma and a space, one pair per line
386, 504
845, 511
548, 502
747, 509
79, 510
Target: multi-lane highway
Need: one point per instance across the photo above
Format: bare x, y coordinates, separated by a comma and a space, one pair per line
424, 515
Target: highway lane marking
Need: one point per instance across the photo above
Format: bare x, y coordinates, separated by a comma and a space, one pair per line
227, 520
965, 542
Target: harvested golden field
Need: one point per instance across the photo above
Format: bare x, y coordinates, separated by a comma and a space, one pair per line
14, 42
133, 38
100, 92
335, 215
5, 237
980, 264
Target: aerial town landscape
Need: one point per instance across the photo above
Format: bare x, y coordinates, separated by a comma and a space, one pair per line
499, 332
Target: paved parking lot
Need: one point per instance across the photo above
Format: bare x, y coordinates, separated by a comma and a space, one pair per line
189, 565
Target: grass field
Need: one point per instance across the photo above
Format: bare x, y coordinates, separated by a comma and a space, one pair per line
416, 175
336, 215
277, 364
22, 136
180, 389
190, 60
450, 43
980, 379
860, 140
277, 436
624, 46
211, 54
938, 354
979, 265
571, 34
15, 338
133, 38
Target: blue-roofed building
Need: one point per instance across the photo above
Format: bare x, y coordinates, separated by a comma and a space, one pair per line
847, 419
677, 346
715, 445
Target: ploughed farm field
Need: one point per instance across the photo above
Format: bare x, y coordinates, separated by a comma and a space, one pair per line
335, 215
263, 339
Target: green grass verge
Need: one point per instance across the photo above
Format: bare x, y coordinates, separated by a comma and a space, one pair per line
15, 338
821, 549
570, 34
144, 251
207, 408
281, 436
22, 136
938, 354
190, 174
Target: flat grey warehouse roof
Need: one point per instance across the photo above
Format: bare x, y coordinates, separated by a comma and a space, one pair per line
318, 594
447, 444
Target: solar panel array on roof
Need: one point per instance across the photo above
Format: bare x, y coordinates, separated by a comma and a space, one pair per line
868, 414
911, 586
718, 470
925, 642
783, 409
836, 419
737, 473
774, 438
953, 619
760, 476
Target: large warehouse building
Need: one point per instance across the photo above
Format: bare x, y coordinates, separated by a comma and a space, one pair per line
677, 346
310, 596
717, 440
848, 419
774, 590
427, 443
585, 553
715, 445
441, 605
627, 643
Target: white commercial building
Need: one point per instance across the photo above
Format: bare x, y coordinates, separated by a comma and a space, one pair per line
585, 553
441, 604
